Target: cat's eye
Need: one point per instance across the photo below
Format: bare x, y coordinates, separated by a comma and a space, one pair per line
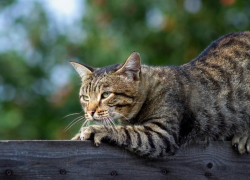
105, 95
85, 98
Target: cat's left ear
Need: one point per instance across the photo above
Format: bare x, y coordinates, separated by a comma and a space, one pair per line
83, 70
132, 66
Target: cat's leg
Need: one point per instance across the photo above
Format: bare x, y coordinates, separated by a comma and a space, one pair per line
77, 136
152, 139
242, 143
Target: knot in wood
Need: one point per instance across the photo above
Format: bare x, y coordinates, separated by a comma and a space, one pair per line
113, 173
164, 171
208, 174
62, 171
8, 172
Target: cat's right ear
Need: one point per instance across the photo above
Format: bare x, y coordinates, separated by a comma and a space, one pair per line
132, 67
83, 70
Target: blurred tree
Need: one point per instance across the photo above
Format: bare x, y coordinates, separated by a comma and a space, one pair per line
37, 85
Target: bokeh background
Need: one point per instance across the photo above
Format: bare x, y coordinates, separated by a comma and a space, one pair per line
38, 38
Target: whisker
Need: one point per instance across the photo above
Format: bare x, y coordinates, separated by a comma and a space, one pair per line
122, 115
71, 124
105, 123
114, 125
88, 123
72, 114
78, 122
111, 120
108, 121
110, 124
76, 119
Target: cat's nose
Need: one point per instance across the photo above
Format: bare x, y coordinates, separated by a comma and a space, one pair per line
92, 108
91, 113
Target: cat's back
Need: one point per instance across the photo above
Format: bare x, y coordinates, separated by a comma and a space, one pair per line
231, 47
225, 58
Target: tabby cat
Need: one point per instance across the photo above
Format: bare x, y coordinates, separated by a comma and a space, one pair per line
161, 109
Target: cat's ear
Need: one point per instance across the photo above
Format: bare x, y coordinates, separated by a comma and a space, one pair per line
132, 66
83, 70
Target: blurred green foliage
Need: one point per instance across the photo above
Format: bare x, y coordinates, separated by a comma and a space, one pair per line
38, 86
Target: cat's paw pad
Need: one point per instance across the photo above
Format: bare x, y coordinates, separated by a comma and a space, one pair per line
241, 143
97, 133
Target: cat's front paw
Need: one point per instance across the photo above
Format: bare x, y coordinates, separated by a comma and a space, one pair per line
241, 143
97, 133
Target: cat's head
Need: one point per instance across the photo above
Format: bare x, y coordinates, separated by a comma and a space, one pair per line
111, 92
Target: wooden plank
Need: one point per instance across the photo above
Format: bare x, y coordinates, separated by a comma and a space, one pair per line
82, 160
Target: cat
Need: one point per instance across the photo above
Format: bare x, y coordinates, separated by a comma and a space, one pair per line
161, 109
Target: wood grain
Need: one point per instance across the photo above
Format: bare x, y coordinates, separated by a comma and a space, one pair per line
82, 160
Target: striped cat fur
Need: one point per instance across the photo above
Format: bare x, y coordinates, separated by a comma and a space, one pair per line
161, 109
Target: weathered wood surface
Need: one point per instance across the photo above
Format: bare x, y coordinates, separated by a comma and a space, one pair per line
82, 160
